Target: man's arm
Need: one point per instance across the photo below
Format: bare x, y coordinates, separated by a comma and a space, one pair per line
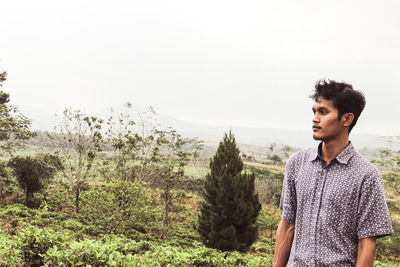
283, 244
366, 252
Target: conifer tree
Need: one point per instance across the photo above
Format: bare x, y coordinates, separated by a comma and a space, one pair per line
230, 208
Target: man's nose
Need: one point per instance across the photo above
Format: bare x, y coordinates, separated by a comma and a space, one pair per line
315, 119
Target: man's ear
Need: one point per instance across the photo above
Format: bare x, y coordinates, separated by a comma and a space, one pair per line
347, 119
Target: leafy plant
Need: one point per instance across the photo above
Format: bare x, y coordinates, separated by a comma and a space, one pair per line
35, 242
14, 126
79, 139
33, 173
118, 208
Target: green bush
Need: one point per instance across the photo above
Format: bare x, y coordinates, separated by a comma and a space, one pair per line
109, 251
87, 252
58, 198
389, 246
199, 256
9, 251
34, 243
16, 210
384, 264
16, 215
118, 208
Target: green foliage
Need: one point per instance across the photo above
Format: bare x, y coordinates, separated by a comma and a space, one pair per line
79, 140
119, 207
33, 173
17, 211
275, 158
9, 251
388, 248
58, 245
15, 216
8, 185
131, 143
92, 253
268, 185
262, 247
58, 198
147, 154
390, 161
378, 263
269, 222
14, 127
35, 242
3, 170
230, 208
199, 256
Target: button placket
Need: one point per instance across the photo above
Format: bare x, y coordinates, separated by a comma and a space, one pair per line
320, 189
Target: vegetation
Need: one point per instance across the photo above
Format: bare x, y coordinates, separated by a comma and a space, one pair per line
33, 173
79, 140
14, 127
389, 247
128, 193
230, 208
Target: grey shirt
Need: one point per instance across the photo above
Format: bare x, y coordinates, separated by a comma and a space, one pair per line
332, 206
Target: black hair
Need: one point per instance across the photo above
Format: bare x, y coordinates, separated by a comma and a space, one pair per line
345, 99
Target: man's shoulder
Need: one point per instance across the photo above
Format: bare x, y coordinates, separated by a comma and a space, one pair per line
301, 157
361, 163
306, 153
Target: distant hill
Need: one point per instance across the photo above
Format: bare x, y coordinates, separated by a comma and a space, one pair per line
263, 136
42, 120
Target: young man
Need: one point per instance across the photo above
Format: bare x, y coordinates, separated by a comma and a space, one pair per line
333, 199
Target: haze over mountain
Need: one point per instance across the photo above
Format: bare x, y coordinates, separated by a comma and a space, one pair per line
45, 121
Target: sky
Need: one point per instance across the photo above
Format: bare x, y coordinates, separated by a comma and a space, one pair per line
219, 62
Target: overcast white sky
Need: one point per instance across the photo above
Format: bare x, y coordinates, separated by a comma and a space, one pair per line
236, 63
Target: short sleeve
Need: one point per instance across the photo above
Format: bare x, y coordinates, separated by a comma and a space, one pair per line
373, 213
288, 201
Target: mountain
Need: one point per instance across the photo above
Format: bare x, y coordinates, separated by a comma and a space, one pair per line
262, 136
42, 120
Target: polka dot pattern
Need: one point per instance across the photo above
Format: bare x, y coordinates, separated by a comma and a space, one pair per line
332, 206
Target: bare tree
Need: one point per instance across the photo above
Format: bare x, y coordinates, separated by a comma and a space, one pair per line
79, 139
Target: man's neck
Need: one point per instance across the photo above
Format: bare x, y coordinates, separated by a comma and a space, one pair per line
332, 148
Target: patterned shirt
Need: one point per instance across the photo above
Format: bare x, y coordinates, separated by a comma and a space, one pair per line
332, 206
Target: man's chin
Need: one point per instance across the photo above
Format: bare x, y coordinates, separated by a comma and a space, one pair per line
316, 137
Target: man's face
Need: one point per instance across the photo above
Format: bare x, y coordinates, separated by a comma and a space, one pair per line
326, 125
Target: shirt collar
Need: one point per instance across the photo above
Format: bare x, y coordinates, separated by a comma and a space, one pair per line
343, 157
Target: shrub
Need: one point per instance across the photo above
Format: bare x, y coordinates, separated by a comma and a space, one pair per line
117, 208
9, 251
34, 243
110, 251
33, 173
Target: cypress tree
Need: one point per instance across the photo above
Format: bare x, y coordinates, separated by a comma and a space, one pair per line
230, 208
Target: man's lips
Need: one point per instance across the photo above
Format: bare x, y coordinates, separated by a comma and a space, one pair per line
315, 128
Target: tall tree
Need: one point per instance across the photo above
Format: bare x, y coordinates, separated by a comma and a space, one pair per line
147, 154
33, 172
79, 139
14, 126
230, 208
